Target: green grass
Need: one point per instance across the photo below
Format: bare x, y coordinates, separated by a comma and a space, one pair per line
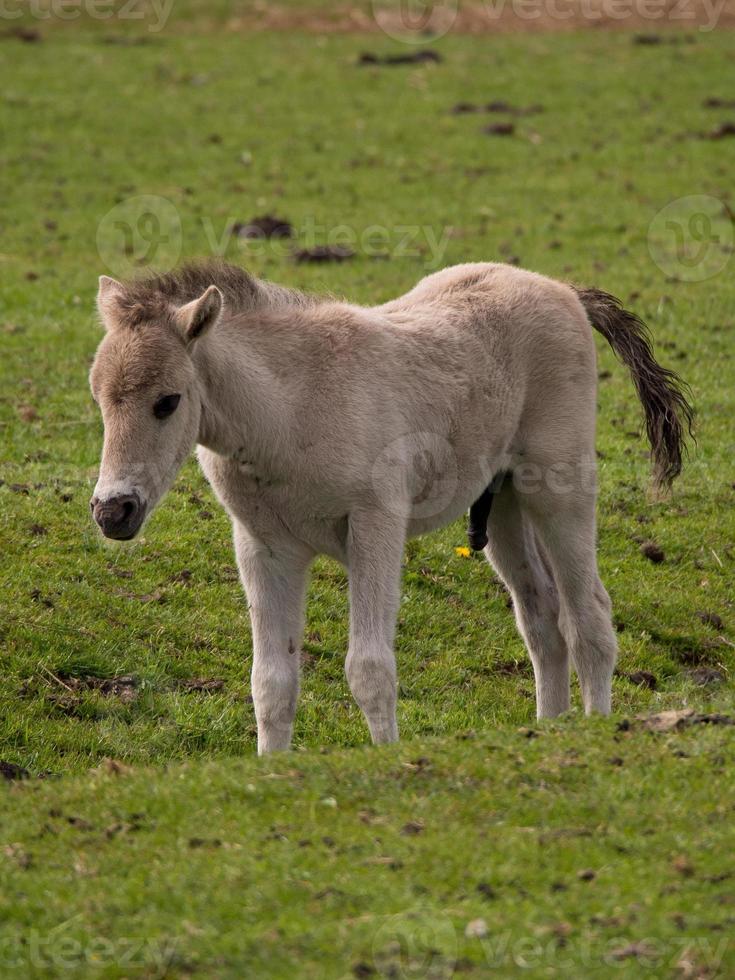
610, 856
225, 127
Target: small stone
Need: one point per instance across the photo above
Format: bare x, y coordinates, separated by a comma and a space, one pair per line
476, 929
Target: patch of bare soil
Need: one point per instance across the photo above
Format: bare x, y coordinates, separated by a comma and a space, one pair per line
674, 721
125, 688
655, 23
202, 684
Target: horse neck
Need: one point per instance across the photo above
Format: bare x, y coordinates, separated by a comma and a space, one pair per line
245, 406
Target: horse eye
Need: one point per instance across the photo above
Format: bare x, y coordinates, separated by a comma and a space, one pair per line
166, 406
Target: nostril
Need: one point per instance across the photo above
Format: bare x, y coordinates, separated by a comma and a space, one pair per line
129, 508
93, 503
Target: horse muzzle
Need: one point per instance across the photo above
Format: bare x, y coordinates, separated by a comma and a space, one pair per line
119, 517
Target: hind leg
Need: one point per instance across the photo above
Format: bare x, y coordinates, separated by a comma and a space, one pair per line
514, 553
565, 525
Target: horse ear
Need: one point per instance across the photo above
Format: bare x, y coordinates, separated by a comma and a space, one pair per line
110, 291
201, 314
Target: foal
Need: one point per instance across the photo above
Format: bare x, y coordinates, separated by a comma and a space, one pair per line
326, 427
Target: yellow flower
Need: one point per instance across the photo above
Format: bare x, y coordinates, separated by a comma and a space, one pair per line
462, 552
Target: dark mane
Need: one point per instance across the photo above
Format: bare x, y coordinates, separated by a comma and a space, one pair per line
153, 297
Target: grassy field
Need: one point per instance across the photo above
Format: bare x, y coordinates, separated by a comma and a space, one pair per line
141, 654
487, 855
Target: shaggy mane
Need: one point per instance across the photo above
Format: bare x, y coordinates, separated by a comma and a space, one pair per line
152, 298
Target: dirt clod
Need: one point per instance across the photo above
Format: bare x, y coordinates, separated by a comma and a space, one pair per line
201, 684
79, 823
265, 226
714, 102
323, 253
465, 108
36, 595
710, 619
412, 828
113, 767
633, 951
499, 129
513, 110
17, 854
411, 58
653, 552
362, 970
25, 34
683, 866
720, 132
642, 678
704, 676
11, 771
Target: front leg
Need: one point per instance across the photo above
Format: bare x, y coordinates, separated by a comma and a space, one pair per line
274, 577
374, 552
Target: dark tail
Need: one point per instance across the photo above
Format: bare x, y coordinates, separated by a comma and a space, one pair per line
663, 394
